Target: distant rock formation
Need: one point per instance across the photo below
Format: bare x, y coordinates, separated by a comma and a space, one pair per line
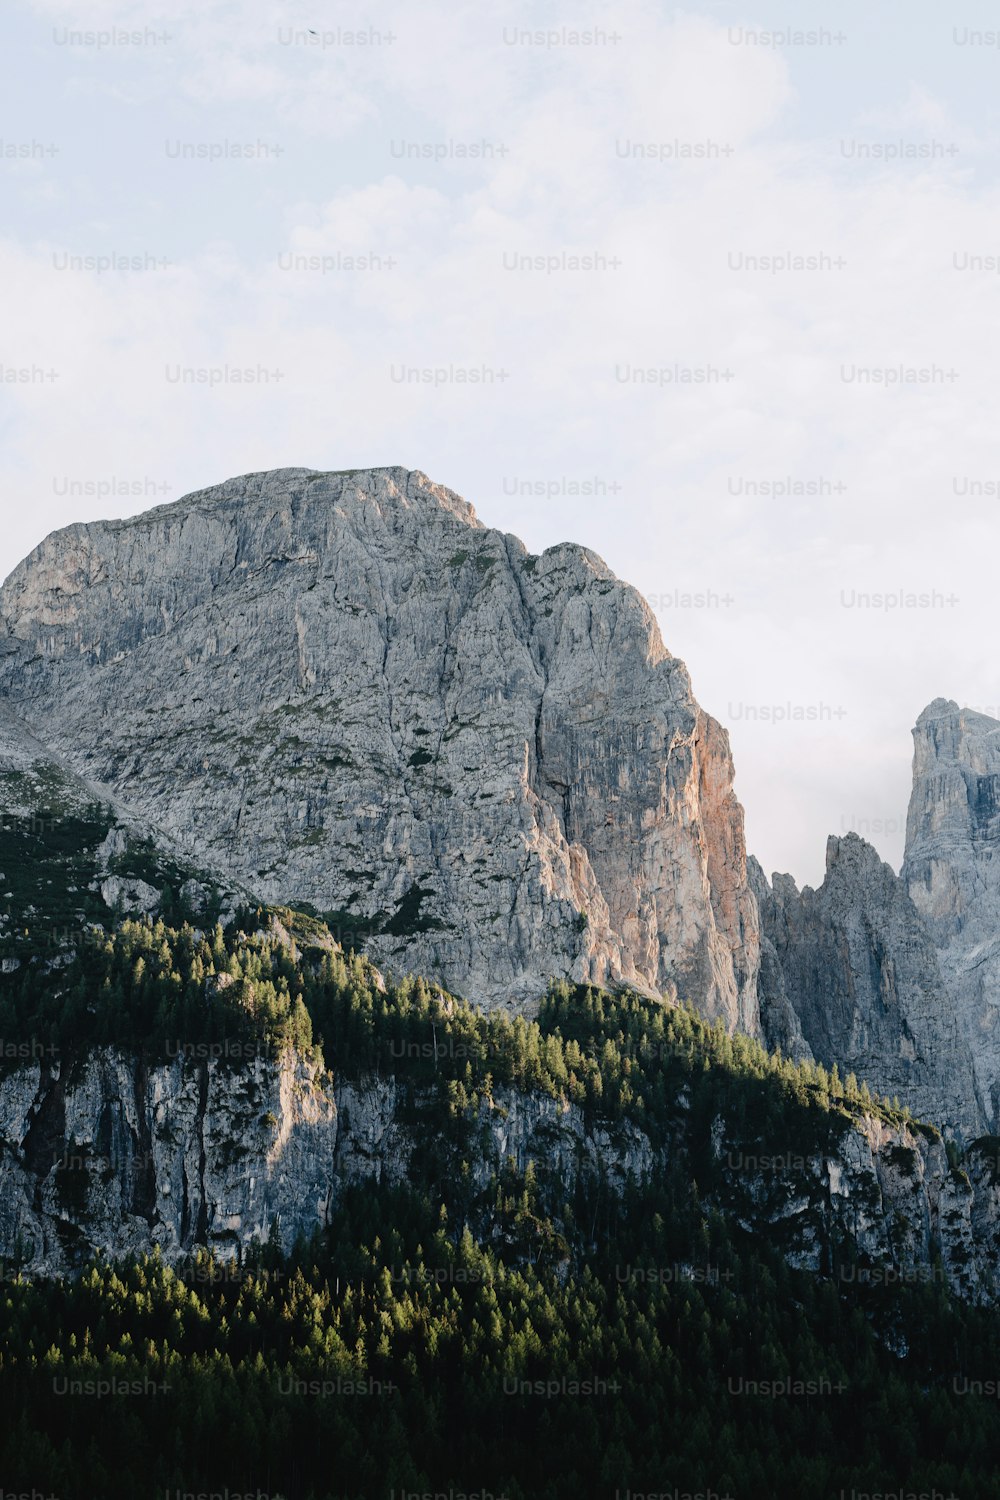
952, 870
856, 964
341, 690
899, 977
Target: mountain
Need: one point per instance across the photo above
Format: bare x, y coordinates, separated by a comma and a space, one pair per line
856, 962
951, 869
264, 753
342, 690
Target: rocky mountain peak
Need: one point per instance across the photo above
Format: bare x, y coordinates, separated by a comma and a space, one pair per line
850, 854
952, 870
855, 964
902, 973
956, 780
341, 689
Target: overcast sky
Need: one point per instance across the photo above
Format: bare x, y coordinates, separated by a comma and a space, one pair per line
538, 221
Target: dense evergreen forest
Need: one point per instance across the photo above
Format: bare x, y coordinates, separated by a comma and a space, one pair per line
526, 1340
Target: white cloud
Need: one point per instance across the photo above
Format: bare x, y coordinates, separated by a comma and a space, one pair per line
686, 458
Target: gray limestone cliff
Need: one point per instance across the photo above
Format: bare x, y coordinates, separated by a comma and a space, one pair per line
952, 870
780, 1021
857, 965
343, 689
112, 1155
107, 1155
899, 977
72, 855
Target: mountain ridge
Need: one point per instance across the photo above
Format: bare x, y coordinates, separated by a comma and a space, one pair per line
340, 689
323, 680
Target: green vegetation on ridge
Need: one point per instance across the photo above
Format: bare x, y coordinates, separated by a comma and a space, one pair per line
278, 979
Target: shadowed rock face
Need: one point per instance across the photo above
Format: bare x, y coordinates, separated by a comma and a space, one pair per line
899, 978
952, 869
70, 856
119, 1158
342, 689
861, 972
780, 1023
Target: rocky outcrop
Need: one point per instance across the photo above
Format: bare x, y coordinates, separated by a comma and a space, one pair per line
780, 1022
952, 870
887, 1192
108, 1155
858, 967
220, 1150
342, 689
899, 979
72, 855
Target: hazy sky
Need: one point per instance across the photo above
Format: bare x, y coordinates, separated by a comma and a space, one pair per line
533, 223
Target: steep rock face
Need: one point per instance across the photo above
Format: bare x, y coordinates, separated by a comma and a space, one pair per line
111, 1156
889, 1191
861, 973
952, 869
114, 1157
342, 689
71, 855
780, 1022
